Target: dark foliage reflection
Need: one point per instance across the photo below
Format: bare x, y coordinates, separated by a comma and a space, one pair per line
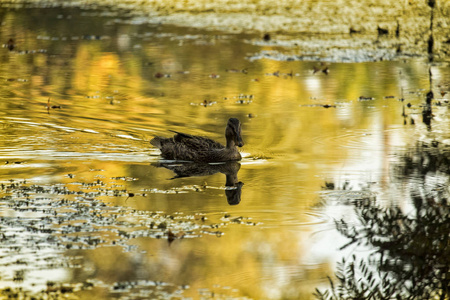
411, 257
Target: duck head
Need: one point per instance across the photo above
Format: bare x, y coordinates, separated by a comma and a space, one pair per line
233, 133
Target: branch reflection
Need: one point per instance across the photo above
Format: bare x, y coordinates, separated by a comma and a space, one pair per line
410, 257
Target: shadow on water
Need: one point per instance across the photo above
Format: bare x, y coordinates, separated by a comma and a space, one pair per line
233, 189
410, 256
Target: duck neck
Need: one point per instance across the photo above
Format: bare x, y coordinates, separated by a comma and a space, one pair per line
229, 137
230, 143
231, 179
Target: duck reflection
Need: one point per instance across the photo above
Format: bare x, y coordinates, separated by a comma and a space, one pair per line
233, 186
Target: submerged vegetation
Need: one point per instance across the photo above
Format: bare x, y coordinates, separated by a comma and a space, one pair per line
39, 223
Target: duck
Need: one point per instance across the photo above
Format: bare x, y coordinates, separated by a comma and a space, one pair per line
194, 148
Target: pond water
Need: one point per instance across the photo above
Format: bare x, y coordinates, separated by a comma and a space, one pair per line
89, 209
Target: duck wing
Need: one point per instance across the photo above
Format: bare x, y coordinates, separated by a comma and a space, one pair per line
188, 147
195, 142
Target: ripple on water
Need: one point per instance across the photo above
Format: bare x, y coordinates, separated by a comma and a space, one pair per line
358, 139
287, 219
346, 197
362, 139
18, 156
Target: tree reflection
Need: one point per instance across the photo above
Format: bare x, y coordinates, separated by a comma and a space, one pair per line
411, 253
233, 186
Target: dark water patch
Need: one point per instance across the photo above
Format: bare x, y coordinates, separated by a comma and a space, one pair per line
426, 158
379, 31
345, 56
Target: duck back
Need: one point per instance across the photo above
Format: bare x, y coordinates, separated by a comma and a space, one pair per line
188, 147
194, 148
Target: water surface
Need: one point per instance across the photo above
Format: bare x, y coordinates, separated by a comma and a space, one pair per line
88, 209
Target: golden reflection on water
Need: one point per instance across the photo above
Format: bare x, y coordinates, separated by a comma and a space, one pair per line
300, 129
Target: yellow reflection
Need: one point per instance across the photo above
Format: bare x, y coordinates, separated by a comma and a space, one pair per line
301, 128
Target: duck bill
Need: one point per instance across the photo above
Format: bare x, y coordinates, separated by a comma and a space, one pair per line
239, 141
